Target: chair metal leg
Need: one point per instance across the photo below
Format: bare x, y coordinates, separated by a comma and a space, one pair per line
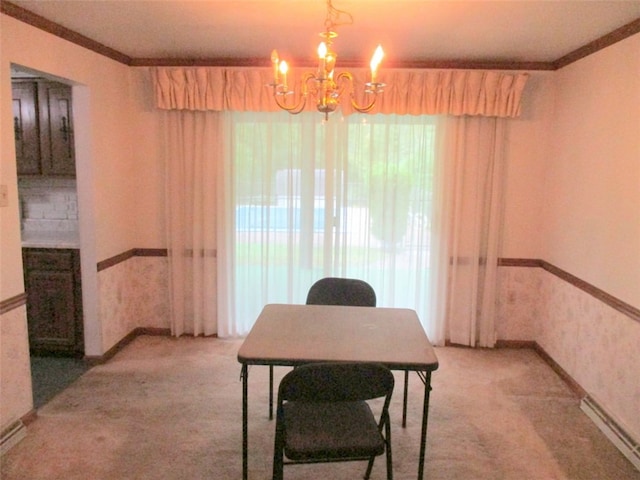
367, 474
278, 450
278, 465
388, 449
387, 442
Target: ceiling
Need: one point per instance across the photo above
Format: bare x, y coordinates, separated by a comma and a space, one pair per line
410, 31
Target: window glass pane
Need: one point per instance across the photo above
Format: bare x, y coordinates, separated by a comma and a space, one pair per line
349, 197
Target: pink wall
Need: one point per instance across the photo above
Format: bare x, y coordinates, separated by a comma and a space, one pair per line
526, 155
591, 202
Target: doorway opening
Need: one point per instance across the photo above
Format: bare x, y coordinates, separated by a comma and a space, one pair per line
49, 226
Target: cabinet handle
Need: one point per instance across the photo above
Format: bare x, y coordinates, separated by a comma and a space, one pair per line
16, 128
65, 129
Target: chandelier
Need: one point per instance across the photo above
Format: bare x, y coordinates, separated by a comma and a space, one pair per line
323, 85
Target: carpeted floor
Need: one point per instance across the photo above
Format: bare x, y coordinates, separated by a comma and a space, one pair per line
167, 408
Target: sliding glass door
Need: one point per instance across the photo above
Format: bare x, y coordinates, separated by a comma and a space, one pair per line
350, 197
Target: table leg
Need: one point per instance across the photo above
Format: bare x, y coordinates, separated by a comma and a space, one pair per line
270, 392
404, 402
426, 378
245, 417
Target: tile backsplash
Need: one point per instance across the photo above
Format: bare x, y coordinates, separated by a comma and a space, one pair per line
48, 204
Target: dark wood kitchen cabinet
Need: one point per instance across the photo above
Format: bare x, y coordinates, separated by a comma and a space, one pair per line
54, 301
42, 123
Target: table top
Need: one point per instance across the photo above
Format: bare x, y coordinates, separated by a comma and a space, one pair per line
286, 334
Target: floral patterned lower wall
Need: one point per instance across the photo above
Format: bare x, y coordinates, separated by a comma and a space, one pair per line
133, 294
592, 342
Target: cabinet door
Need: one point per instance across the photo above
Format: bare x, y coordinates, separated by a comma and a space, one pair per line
26, 128
51, 311
54, 301
57, 139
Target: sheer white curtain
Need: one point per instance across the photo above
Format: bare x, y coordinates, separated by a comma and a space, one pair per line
305, 199
410, 204
473, 184
192, 154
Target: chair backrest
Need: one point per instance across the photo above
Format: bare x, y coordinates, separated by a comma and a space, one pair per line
336, 382
341, 291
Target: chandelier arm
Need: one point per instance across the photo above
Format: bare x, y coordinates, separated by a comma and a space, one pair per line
302, 101
292, 109
368, 107
347, 78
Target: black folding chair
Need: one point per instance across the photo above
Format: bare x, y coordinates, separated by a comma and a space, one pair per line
323, 416
343, 291
334, 291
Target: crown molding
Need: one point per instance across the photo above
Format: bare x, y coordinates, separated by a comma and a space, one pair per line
58, 30
53, 28
605, 41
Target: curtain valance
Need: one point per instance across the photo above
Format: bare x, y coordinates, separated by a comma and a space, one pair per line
408, 91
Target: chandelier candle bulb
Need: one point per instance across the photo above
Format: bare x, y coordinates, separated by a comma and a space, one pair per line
283, 70
322, 55
274, 61
375, 61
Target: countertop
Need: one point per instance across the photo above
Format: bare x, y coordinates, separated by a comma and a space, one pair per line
47, 239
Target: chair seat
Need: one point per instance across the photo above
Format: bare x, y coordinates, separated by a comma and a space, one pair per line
331, 430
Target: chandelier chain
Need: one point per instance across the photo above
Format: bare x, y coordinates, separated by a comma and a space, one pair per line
334, 16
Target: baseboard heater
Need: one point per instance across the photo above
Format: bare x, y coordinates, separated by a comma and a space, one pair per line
621, 439
12, 435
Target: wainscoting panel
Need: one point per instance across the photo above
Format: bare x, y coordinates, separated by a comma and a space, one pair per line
133, 293
596, 345
16, 398
518, 306
591, 338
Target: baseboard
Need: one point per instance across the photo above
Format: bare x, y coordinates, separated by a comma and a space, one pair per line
516, 344
568, 379
126, 340
12, 435
30, 417
153, 331
629, 447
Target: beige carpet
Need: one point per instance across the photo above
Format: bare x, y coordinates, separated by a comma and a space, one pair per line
168, 408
